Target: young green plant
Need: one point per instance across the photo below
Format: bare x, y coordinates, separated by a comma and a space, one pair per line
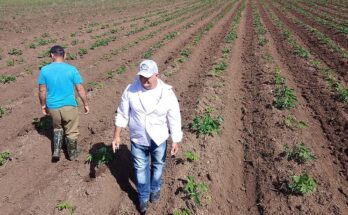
191, 156
195, 190
4, 157
206, 124
100, 157
299, 153
302, 184
62, 205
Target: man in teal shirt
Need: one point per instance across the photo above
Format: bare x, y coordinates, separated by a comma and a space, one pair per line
57, 84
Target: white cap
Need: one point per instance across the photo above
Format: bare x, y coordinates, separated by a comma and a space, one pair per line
148, 68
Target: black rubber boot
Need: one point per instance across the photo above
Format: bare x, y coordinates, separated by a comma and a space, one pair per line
57, 143
71, 145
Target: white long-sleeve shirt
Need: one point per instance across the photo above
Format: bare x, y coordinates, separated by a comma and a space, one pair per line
151, 114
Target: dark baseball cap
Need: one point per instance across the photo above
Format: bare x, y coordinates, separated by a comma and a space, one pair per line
57, 50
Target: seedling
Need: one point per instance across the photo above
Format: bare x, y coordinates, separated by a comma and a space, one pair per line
113, 31
302, 124
171, 35
4, 157
231, 36
43, 63
183, 211
285, 98
3, 111
302, 184
299, 153
206, 124
15, 52
195, 190
226, 51
190, 156
66, 205
168, 73
42, 124
46, 34
74, 42
342, 93
267, 57
147, 54
103, 42
44, 54
7, 79
219, 68
100, 157
262, 41
300, 51
278, 79
32, 45
290, 121
109, 74
122, 69
10, 62
28, 71
71, 56
82, 51
91, 85
185, 52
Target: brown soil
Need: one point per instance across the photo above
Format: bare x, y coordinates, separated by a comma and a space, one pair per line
321, 51
318, 11
242, 166
335, 35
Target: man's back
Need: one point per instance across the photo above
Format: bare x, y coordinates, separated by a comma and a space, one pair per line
60, 78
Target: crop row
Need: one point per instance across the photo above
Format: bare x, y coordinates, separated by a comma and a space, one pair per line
313, 8
336, 48
46, 39
333, 82
319, 20
285, 99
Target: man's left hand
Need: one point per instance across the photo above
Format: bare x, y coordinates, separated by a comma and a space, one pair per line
175, 149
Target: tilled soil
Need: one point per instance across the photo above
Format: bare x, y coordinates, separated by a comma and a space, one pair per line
243, 166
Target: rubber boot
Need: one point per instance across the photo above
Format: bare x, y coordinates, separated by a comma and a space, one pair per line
71, 145
57, 143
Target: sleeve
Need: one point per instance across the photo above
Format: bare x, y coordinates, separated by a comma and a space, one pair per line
174, 118
122, 115
77, 79
41, 79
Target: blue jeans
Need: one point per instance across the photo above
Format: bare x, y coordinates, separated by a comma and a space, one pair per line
148, 180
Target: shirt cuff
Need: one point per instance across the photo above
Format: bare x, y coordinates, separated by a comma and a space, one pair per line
177, 137
121, 121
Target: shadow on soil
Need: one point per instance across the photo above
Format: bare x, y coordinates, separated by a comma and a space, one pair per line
120, 166
44, 127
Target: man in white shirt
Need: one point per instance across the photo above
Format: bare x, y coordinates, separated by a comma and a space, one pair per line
151, 109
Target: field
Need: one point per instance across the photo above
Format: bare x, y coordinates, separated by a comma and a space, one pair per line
262, 86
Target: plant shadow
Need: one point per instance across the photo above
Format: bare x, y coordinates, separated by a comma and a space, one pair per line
120, 167
43, 126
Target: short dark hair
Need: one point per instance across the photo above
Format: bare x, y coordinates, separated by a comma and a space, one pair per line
57, 50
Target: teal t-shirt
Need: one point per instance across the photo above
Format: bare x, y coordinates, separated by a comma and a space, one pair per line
60, 79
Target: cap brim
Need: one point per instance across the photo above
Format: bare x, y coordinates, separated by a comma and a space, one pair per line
145, 74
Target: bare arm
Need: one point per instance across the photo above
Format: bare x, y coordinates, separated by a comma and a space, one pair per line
42, 97
82, 94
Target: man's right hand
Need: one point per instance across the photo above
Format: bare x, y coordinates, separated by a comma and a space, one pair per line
116, 144
44, 110
86, 109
